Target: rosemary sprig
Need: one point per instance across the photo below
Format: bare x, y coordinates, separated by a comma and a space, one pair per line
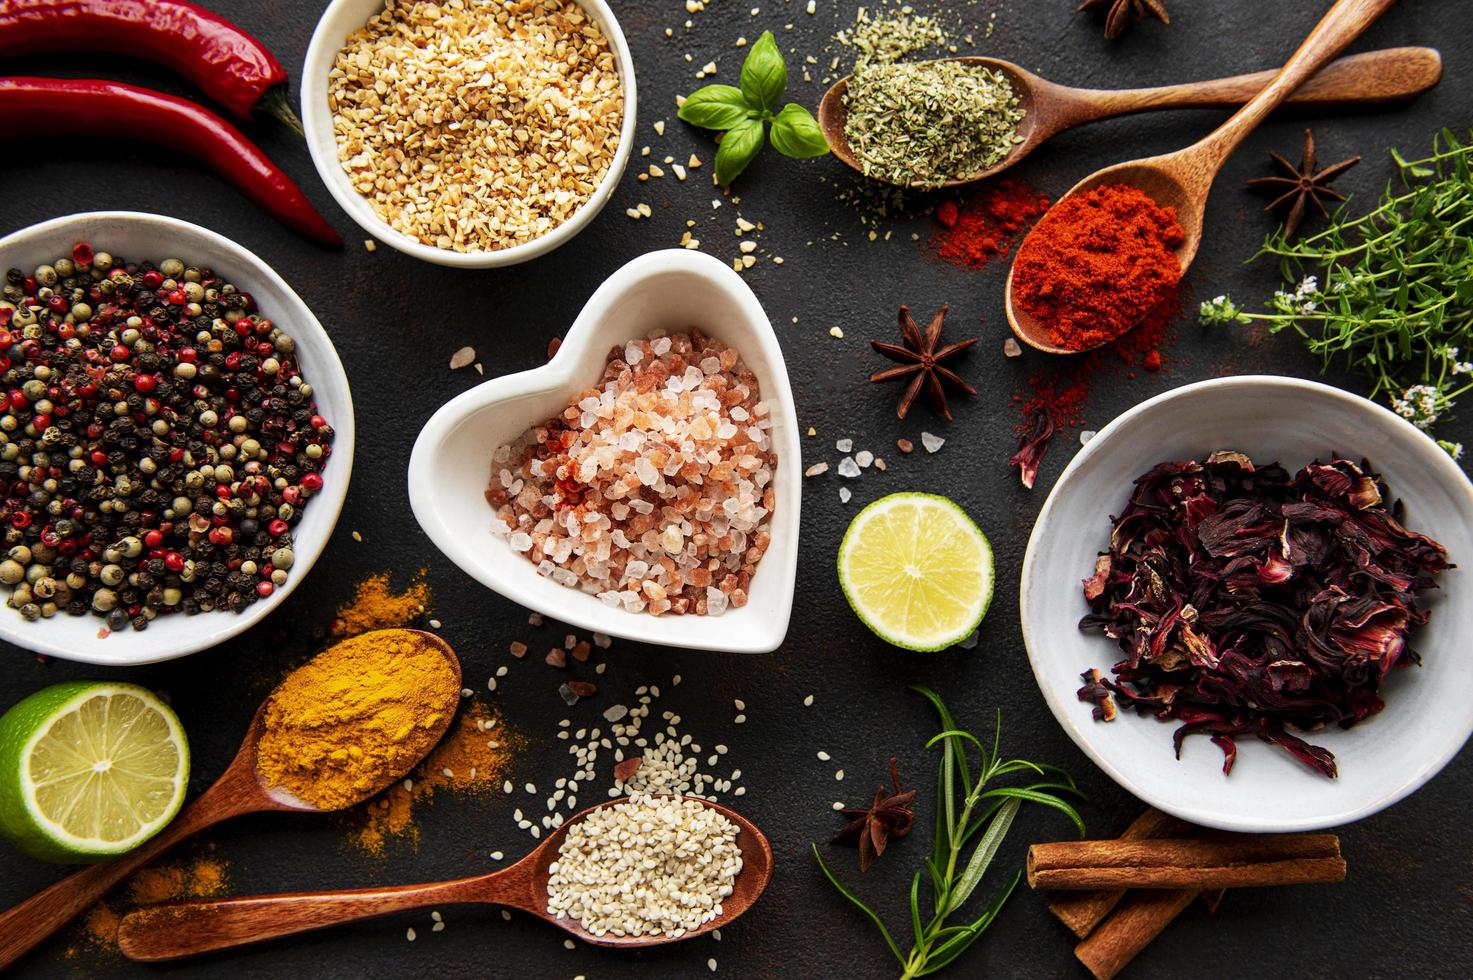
969, 815
1397, 299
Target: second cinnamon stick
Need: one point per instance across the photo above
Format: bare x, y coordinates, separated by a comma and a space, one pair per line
1242, 861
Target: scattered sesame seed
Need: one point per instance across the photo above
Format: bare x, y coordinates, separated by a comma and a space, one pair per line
836, 332
838, 804
357, 537
823, 756
839, 774
808, 701
711, 963
409, 934
739, 720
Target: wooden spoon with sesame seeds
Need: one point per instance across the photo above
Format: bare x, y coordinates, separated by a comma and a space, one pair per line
238, 791
1367, 79
169, 932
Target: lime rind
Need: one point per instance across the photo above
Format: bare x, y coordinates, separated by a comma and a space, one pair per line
963, 590
67, 726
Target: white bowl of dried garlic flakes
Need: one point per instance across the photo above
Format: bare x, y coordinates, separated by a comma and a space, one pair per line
436, 129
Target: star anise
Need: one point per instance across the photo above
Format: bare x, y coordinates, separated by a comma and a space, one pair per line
1122, 13
921, 357
890, 815
1303, 185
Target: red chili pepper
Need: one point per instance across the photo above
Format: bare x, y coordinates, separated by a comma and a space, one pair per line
226, 63
91, 108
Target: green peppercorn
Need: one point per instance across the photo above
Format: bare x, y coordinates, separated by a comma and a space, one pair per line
104, 600
12, 572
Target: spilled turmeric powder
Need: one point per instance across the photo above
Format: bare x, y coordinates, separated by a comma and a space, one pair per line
473, 758
375, 605
204, 875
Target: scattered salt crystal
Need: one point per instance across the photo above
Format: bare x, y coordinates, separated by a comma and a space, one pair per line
864, 458
932, 443
1086, 436
844, 445
848, 468
521, 541
844, 495
970, 643
1010, 348
817, 469
617, 712
462, 358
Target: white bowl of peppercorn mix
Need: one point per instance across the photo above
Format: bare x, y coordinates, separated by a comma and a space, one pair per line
1380, 759
659, 302
474, 135
195, 428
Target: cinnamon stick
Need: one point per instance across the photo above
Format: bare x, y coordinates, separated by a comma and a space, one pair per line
1138, 920
1238, 861
1082, 910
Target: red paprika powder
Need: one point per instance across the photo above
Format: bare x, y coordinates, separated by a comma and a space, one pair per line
983, 226
1097, 264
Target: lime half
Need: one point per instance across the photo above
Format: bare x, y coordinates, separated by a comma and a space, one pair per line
917, 570
89, 770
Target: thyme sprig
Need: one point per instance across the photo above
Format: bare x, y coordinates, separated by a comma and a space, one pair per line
1397, 300
972, 818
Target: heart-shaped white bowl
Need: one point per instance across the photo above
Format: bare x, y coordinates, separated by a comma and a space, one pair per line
342, 18
1429, 708
137, 237
450, 468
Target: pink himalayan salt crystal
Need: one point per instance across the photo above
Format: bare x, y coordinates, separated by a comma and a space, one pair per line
653, 489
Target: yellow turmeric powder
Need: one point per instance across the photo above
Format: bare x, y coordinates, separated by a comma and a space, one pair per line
202, 876
356, 716
376, 606
473, 758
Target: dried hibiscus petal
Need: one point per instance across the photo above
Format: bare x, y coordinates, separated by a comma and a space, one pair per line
1032, 444
1246, 600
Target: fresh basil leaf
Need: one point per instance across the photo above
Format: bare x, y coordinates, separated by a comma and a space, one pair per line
764, 76
714, 107
795, 133
737, 149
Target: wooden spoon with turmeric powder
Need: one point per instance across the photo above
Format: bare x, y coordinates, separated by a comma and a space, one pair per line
350, 722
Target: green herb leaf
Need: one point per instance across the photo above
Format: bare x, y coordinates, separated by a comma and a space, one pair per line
1044, 799
764, 76
915, 909
859, 904
737, 149
714, 107
795, 133
983, 855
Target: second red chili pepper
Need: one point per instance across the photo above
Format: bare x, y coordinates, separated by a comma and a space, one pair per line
64, 107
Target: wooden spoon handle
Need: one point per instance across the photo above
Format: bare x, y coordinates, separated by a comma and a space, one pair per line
1344, 22
168, 932
1368, 78
28, 924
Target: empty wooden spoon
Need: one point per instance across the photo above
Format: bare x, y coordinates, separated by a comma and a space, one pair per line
1371, 78
1183, 179
238, 791
167, 932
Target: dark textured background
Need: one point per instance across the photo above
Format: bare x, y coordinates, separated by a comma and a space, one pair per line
1407, 909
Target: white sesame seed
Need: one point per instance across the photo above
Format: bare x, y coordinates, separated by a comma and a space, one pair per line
711, 964
808, 701
838, 804
823, 756
839, 774
409, 934
739, 720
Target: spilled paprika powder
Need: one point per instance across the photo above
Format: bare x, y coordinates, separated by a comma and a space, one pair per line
1097, 264
982, 226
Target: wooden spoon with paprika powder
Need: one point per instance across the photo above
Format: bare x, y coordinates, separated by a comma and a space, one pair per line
238, 791
168, 932
1370, 78
1182, 180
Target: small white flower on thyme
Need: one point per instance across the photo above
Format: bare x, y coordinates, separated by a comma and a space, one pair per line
1453, 449
1221, 310
1418, 405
